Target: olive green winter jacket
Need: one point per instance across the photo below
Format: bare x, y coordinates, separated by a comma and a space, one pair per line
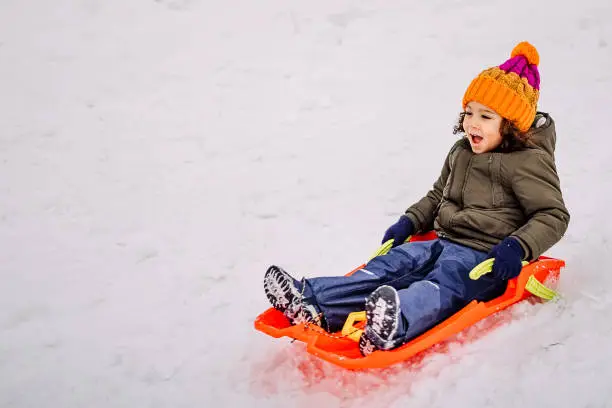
479, 199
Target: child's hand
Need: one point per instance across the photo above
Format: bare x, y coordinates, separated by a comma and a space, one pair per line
508, 255
399, 231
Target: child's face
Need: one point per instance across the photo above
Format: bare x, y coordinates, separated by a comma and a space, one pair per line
482, 127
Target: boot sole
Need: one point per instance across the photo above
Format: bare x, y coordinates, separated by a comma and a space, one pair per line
280, 291
382, 314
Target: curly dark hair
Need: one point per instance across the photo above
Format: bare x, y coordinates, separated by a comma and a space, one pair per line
512, 138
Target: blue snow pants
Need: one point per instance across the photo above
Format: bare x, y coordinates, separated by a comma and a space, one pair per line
431, 278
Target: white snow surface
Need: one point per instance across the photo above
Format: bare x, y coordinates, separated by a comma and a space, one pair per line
157, 156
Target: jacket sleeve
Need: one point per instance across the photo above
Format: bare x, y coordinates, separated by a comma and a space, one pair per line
536, 185
423, 212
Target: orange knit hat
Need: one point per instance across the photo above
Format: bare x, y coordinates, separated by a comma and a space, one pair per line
511, 89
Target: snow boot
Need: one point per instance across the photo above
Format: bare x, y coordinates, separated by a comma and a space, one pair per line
283, 293
382, 321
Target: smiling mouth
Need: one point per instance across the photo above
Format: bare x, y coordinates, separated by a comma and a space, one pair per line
475, 139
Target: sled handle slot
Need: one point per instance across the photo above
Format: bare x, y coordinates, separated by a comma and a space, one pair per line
534, 286
385, 247
349, 330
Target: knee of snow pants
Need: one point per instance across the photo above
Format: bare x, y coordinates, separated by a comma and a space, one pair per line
420, 307
446, 289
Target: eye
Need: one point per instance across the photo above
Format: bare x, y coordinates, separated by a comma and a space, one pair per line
467, 113
485, 117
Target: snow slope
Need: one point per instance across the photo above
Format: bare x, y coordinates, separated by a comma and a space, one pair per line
157, 156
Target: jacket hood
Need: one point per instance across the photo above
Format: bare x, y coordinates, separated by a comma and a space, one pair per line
542, 133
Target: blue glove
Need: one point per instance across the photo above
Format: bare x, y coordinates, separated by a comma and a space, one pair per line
399, 231
508, 255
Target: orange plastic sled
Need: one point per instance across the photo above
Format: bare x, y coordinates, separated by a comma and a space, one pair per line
344, 352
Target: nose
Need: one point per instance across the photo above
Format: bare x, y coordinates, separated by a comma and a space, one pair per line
472, 124
469, 125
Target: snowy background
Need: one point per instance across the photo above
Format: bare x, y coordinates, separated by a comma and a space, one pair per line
157, 156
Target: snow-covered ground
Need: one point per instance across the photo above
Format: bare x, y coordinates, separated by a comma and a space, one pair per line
157, 156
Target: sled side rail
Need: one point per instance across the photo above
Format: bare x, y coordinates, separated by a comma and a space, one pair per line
475, 311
